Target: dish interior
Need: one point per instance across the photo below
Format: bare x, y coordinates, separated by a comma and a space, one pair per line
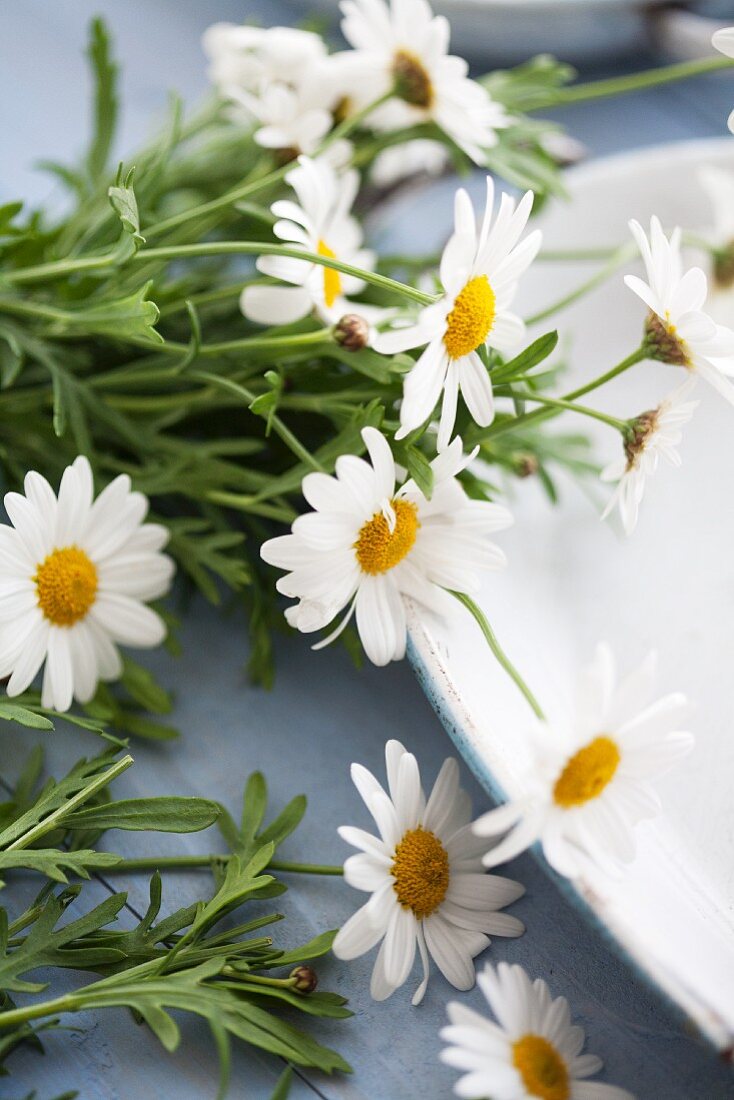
573, 580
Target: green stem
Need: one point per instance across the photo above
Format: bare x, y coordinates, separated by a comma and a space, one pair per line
494, 645
583, 410
526, 419
263, 248
183, 863
633, 82
290, 440
57, 817
619, 257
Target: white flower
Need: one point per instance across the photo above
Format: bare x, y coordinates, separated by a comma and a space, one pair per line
366, 546
403, 45
424, 872
74, 575
532, 1051
252, 58
320, 222
653, 435
723, 40
480, 270
719, 186
677, 329
591, 783
409, 158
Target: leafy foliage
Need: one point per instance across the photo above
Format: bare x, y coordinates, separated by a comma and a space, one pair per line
116, 343
201, 959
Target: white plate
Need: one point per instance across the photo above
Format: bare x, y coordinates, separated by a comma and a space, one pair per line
573, 581
506, 32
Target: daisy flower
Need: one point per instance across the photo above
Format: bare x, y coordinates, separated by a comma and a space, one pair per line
251, 58
652, 435
424, 872
419, 157
677, 330
591, 784
723, 40
368, 545
532, 1051
480, 269
402, 45
320, 222
75, 574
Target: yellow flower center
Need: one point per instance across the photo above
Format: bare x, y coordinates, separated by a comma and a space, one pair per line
544, 1073
412, 82
587, 773
421, 871
378, 548
469, 323
66, 582
332, 279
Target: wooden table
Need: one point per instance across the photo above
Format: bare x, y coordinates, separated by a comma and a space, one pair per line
322, 714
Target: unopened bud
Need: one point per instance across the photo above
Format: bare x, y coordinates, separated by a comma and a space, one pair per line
352, 332
663, 344
526, 464
724, 267
306, 979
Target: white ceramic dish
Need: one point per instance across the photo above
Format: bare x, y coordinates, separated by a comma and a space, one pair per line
506, 32
573, 581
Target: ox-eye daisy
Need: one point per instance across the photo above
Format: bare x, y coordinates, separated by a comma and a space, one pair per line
251, 58
677, 330
320, 222
532, 1051
590, 784
480, 269
74, 575
652, 435
424, 872
723, 40
402, 45
367, 546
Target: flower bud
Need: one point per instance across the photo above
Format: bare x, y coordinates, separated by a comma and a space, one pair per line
352, 332
724, 267
306, 979
526, 464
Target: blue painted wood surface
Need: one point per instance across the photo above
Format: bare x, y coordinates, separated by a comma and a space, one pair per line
323, 714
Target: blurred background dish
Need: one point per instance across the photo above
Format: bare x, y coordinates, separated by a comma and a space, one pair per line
583, 32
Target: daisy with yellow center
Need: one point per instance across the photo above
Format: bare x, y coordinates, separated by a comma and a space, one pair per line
424, 872
369, 544
75, 575
480, 270
532, 1052
319, 222
402, 46
591, 786
677, 330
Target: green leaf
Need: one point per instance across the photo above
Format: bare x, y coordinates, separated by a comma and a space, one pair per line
419, 469
283, 1086
131, 317
11, 357
105, 100
56, 863
144, 688
124, 203
530, 357
11, 712
167, 814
